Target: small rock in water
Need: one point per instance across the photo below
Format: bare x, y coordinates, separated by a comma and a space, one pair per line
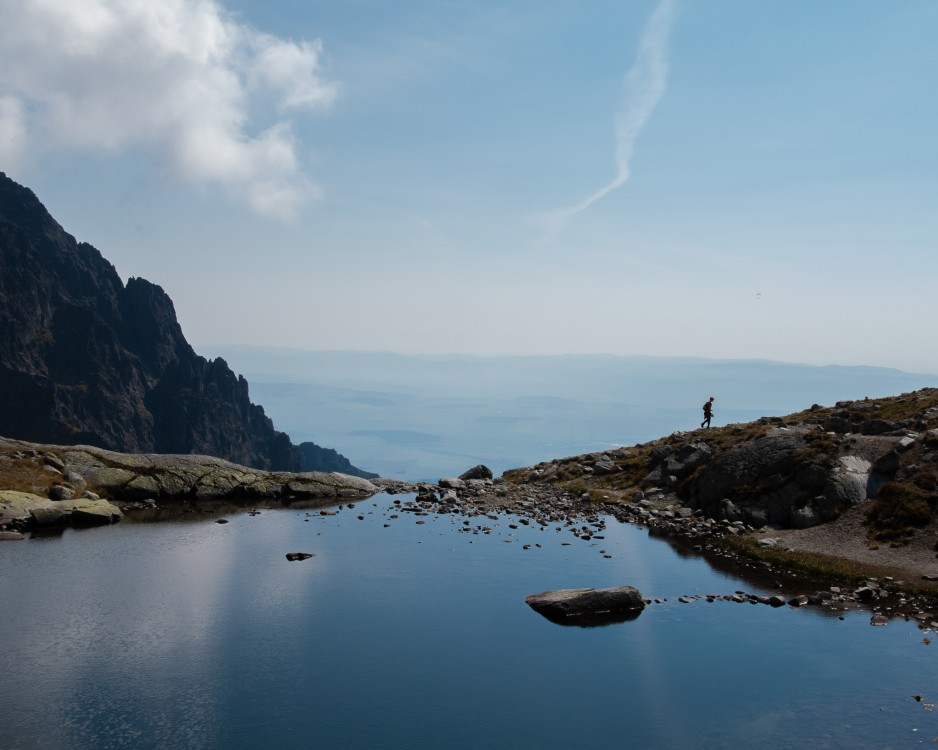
292, 556
221, 520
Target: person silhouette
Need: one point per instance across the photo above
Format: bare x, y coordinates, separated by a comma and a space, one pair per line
708, 412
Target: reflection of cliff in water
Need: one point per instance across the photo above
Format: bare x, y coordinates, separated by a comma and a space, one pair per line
204, 510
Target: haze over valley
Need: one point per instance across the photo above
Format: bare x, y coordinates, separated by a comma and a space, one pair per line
425, 417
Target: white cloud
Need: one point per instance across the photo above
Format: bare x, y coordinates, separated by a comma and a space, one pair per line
645, 84
177, 78
12, 126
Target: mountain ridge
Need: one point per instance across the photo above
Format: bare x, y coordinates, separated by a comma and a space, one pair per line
85, 358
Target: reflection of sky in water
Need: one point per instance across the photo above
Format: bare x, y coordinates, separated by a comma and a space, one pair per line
416, 635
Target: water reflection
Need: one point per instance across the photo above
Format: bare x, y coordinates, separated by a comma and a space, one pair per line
591, 619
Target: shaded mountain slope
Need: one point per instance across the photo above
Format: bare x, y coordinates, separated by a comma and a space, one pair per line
85, 359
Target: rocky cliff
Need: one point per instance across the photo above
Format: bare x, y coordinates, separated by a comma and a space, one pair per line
86, 359
316, 458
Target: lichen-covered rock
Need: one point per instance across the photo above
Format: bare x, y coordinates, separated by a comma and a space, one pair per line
134, 477
23, 509
15, 506
154, 479
48, 515
88, 512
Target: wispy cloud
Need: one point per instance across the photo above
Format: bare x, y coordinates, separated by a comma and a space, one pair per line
644, 86
178, 79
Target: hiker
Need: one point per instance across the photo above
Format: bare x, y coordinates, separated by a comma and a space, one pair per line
708, 413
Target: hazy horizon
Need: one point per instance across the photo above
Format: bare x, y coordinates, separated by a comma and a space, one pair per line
424, 417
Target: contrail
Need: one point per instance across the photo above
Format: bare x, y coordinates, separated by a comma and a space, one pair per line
644, 86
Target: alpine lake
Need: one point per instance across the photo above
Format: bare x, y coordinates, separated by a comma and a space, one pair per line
412, 632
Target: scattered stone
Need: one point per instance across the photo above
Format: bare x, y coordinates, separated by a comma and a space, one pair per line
293, 556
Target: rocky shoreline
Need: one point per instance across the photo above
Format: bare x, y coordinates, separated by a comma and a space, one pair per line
474, 496
51, 485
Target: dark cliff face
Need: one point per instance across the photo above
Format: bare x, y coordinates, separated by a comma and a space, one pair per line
325, 459
84, 359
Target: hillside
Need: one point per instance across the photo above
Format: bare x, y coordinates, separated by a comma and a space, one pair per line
85, 359
857, 481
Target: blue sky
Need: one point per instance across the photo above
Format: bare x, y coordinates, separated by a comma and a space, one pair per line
727, 178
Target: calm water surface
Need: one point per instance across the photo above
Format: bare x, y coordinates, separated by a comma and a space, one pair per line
202, 635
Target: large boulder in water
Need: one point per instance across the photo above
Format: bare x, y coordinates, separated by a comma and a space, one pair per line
588, 606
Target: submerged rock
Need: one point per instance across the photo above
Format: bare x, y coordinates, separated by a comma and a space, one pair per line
293, 556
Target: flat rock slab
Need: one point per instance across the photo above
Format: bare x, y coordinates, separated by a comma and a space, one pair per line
27, 510
588, 607
142, 477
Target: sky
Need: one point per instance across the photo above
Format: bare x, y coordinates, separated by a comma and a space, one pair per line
726, 179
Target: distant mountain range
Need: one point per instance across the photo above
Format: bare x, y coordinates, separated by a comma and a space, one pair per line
86, 359
426, 417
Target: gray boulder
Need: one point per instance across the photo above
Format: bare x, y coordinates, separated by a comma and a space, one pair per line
453, 483
588, 606
878, 427
61, 492
779, 479
846, 485
477, 472
673, 465
601, 468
